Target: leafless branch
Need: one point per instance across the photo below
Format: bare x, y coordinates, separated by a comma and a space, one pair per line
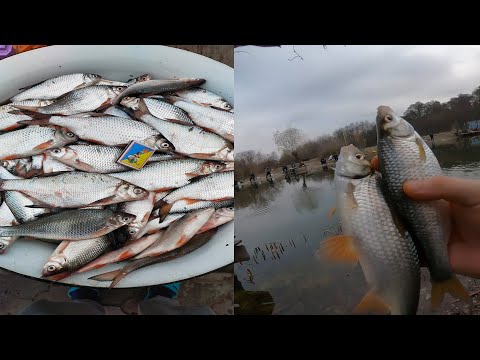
242, 51
297, 54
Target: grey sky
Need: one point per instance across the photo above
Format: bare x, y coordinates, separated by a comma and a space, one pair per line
333, 87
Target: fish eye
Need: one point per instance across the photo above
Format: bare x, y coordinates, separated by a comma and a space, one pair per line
125, 218
70, 134
51, 268
56, 151
144, 78
218, 166
137, 191
359, 156
165, 145
388, 118
132, 231
119, 88
231, 208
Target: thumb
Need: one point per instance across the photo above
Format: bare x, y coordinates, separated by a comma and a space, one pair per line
461, 191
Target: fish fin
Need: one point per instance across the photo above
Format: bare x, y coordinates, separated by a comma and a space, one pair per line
423, 155
84, 166
201, 156
126, 255
339, 248
191, 175
350, 196
117, 279
108, 276
164, 209
37, 204
176, 121
104, 201
332, 212
44, 146
220, 200
13, 127
27, 108
59, 276
452, 286
11, 157
106, 104
372, 302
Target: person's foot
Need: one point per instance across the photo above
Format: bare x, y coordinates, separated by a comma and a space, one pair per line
80, 293
167, 290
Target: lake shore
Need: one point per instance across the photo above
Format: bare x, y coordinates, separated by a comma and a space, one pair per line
314, 165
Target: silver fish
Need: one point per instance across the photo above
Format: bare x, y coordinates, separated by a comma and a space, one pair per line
188, 140
108, 130
57, 86
97, 158
36, 165
154, 226
217, 121
370, 235
72, 255
130, 82
79, 101
184, 206
157, 86
164, 110
76, 189
404, 156
115, 111
117, 275
204, 97
215, 187
33, 140
34, 102
6, 219
219, 217
174, 173
178, 234
18, 203
70, 225
141, 209
130, 249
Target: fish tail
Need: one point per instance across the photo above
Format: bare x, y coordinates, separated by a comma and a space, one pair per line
372, 302
452, 286
164, 209
108, 276
117, 279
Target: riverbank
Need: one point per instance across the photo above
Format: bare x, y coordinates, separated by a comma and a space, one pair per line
314, 165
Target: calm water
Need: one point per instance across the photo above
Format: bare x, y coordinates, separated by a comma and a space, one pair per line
282, 226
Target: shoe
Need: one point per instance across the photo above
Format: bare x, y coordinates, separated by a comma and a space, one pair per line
167, 290
79, 293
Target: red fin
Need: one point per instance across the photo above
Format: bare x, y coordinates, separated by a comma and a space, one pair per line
201, 156
339, 248
372, 302
164, 209
27, 108
59, 276
36, 115
44, 146
176, 121
452, 286
13, 127
127, 254
10, 157
191, 175
191, 201
105, 201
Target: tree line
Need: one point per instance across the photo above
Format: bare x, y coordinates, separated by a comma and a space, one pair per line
293, 145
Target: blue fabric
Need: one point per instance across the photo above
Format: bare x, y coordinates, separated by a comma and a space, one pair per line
166, 290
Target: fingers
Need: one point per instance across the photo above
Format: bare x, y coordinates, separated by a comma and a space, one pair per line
464, 259
461, 191
375, 165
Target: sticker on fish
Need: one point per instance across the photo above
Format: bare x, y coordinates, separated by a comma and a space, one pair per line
135, 155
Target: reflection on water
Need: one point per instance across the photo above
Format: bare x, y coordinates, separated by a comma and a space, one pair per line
282, 225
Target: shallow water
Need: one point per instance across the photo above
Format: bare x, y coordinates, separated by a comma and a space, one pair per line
282, 225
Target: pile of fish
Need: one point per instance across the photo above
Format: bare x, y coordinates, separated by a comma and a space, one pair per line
60, 181
384, 230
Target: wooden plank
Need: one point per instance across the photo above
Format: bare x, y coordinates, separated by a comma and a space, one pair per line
221, 53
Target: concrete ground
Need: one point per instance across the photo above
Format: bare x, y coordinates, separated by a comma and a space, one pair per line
214, 289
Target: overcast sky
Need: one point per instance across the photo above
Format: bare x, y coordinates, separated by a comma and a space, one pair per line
333, 87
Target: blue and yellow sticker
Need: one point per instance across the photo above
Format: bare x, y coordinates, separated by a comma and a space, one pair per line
135, 155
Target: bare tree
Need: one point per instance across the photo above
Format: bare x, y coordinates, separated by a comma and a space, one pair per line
288, 140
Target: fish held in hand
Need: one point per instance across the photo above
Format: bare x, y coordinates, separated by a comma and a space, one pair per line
373, 236
405, 156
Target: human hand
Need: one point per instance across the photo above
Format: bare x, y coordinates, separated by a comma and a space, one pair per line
463, 196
